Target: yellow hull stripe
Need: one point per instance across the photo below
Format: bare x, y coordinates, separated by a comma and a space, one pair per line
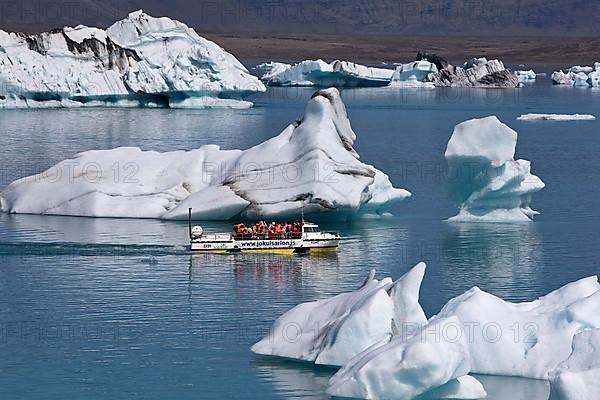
274, 251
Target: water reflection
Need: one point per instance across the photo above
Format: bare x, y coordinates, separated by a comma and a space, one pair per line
299, 380
302, 380
294, 380
504, 387
501, 258
45, 228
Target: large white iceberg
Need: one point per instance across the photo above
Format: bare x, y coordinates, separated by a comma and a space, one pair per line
388, 351
320, 73
333, 330
434, 359
139, 60
484, 177
525, 339
578, 377
311, 163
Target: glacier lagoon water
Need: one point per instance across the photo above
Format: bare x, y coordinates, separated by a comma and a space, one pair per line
107, 308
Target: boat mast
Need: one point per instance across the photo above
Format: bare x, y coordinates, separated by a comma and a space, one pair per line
302, 213
190, 222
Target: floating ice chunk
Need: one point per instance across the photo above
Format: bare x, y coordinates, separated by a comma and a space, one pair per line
526, 76
320, 73
594, 77
578, 69
486, 181
578, 76
417, 71
139, 61
578, 377
332, 331
562, 78
405, 369
580, 80
525, 339
478, 72
311, 163
556, 117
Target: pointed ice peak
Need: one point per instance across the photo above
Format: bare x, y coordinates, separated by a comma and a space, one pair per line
328, 103
137, 14
369, 279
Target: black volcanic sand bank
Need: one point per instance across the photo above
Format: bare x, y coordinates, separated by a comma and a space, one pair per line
375, 48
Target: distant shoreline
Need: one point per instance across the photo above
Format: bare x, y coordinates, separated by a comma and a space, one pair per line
377, 49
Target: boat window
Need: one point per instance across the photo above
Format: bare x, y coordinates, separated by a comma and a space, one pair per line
311, 229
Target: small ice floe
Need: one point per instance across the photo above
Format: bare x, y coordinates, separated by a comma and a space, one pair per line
526, 76
556, 117
323, 74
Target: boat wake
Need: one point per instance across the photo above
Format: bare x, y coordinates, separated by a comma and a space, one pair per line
86, 249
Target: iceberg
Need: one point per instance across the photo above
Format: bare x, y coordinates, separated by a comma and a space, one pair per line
484, 177
388, 350
332, 331
578, 76
323, 74
563, 78
578, 68
477, 72
578, 377
138, 61
431, 70
527, 340
556, 117
415, 74
580, 80
526, 76
311, 163
594, 77
433, 362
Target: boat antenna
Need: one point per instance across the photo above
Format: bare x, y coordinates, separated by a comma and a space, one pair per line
190, 222
302, 212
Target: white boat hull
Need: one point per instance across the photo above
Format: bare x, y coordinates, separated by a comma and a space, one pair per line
265, 245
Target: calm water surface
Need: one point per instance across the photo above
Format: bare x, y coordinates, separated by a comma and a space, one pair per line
107, 308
